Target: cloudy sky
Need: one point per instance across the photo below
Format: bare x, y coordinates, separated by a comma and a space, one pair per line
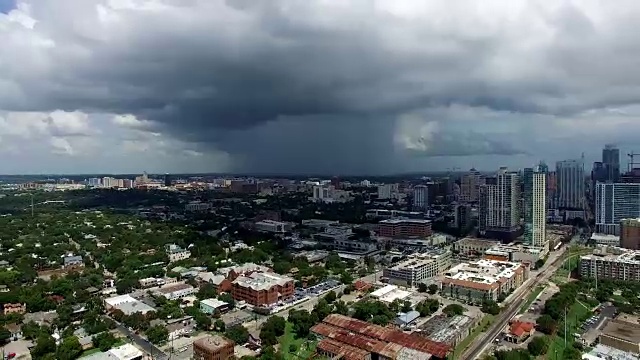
314, 86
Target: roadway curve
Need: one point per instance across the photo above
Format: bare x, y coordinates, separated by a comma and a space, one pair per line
478, 345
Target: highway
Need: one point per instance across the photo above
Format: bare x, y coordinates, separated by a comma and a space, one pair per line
485, 339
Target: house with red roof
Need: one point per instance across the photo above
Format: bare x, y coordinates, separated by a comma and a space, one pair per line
520, 331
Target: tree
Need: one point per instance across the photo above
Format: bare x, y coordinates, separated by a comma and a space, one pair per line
226, 297
538, 346
322, 309
219, 325
433, 289
104, 341
69, 349
203, 321
346, 278
490, 307
331, 296
238, 333
302, 321
45, 344
406, 307
277, 323
427, 307
547, 324
453, 310
341, 307
422, 287
268, 336
207, 291
5, 335
32, 331
157, 334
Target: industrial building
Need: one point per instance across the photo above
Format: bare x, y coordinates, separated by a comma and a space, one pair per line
348, 338
614, 263
418, 268
448, 330
514, 253
483, 280
622, 333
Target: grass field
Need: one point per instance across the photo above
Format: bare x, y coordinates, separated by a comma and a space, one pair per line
532, 297
303, 348
573, 319
484, 324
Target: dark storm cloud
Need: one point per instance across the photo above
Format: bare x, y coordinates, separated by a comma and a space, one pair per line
289, 84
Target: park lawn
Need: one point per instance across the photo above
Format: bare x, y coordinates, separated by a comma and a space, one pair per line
459, 349
532, 297
574, 315
304, 348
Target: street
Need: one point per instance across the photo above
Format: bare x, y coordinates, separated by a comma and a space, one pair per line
148, 347
483, 341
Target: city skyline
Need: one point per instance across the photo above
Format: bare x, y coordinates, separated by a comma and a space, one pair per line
96, 86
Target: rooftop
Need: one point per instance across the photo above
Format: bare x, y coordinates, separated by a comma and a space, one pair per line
389, 293
405, 221
173, 288
262, 281
214, 303
622, 330
213, 342
347, 352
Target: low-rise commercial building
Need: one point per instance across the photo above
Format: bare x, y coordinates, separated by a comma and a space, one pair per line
273, 226
448, 330
606, 239
402, 227
483, 280
611, 263
175, 291
211, 306
474, 246
514, 253
622, 333
262, 289
127, 304
214, 347
418, 268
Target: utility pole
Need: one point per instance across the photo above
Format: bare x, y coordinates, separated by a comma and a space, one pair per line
565, 327
31, 204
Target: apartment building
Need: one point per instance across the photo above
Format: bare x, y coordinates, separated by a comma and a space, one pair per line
611, 263
630, 233
402, 227
262, 289
418, 268
214, 347
483, 280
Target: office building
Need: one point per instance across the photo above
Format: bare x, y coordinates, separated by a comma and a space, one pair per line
470, 186
260, 289
402, 227
514, 253
421, 197
630, 234
387, 191
483, 280
462, 216
552, 190
611, 162
570, 183
167, 180
614, 202
213, 347
418, 268
535, 211
342, 337
611, 263
499, 215
272, 226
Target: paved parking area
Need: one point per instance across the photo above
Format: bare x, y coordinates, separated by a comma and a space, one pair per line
235, 317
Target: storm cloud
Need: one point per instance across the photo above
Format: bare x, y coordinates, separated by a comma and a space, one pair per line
324, 86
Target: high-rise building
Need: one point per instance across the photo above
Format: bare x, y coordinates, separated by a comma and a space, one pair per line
611, 162
552, 190
630, 234
462, 216
499, 214
167, 180
387, 191
614, 202
470, 185
570, 182
535, 212
420, 197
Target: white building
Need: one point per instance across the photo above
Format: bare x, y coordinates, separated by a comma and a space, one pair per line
176, 291
387, 191
197, 206
176, 253
535, 212
418, 268
390, 293
127, 304
273, 226
606, 239
614, 202
499, 209
420, 197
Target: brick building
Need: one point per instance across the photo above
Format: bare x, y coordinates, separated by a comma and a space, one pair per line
630, 234
213, 348
402, 228
260, 289
16, 308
